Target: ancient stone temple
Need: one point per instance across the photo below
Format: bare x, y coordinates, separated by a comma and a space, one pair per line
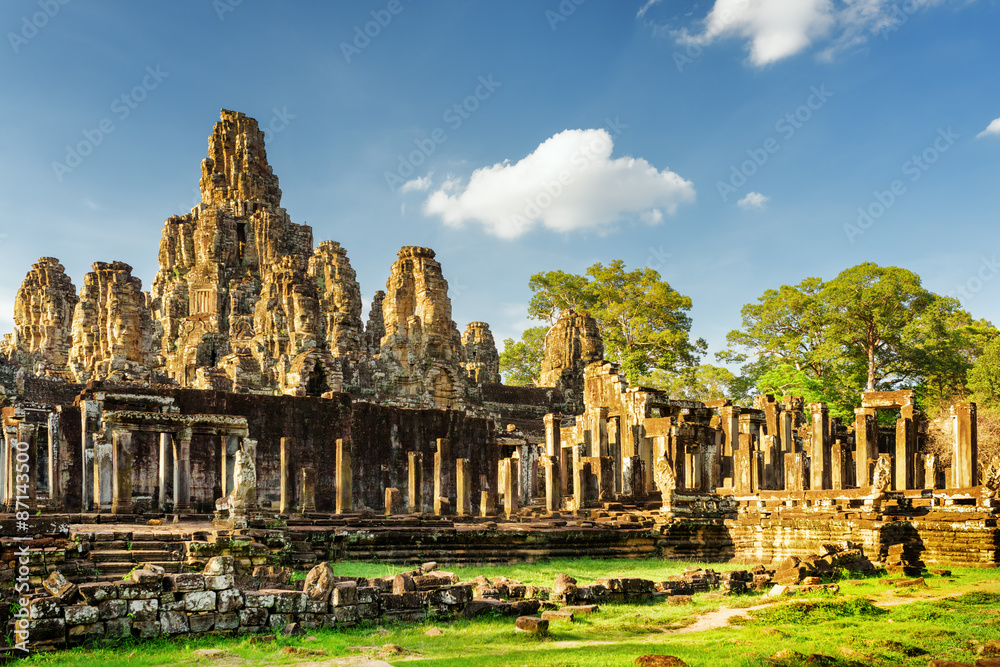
244, 389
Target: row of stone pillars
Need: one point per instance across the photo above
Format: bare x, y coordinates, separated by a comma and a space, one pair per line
444, 487
343, 482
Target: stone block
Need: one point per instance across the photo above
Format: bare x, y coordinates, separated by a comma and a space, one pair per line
557, 615
220, 565
112, 609
80, 614
532, 625
345, 615
253, 616
289, 602
139, 590
118, 627
228, 600
173, 622
320, 582
262, 599
451, 595
47, 607
58, 586
98, 591
229, 621
201, 622
146, 629
143, 610
279, 621
47, 629
184, 583
368, 611
405, 601
344, 593
85, 632
200, 601
368, 594
218, 582
147, 575
316, 606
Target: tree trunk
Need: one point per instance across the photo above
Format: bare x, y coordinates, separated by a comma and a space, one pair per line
871, 369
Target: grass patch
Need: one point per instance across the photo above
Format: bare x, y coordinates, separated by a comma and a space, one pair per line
850, 627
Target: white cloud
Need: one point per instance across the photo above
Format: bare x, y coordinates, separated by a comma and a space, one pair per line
753, 200
645, 8
570, 182
777, 29
992, 128
421, 184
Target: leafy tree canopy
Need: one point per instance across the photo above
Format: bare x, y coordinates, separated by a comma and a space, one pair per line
643, 320
521, 361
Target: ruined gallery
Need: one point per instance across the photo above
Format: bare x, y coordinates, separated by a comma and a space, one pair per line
240, 407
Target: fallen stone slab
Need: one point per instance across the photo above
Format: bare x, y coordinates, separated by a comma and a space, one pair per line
582, 608
531, 625
557, 615
659, 661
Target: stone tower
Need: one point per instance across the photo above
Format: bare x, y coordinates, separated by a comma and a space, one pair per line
572, 343
421, 349
482, 362
43, 319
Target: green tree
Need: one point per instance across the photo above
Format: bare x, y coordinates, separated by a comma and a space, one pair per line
871, 328
521, 361
984, 375
703, 382
643, 320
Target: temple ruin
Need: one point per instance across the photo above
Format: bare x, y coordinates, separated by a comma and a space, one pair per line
243, 391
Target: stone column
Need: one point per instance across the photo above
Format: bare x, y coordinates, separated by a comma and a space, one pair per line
5, 458
730, 421
905, 451
487, 503
837, 468
965, 451
104, 471
819, 453
249, 446
553, 434
930, 471
509, 488
165, 464
121, 443
795, 476
393, 501
90, 423
415, 482
308, 489
787, 441
553, 484
285, 475
182, 471
55, 483
463, 488
230, 445
744, 468
527, 472
345, 488
28, 433
442, 481
865, 445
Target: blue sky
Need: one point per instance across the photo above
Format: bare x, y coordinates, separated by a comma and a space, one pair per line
672, 113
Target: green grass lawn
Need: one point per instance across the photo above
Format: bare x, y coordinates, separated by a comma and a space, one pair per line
911, 630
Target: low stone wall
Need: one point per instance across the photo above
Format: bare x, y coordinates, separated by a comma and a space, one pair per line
150, 603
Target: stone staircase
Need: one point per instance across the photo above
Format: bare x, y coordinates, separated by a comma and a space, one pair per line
113, 555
